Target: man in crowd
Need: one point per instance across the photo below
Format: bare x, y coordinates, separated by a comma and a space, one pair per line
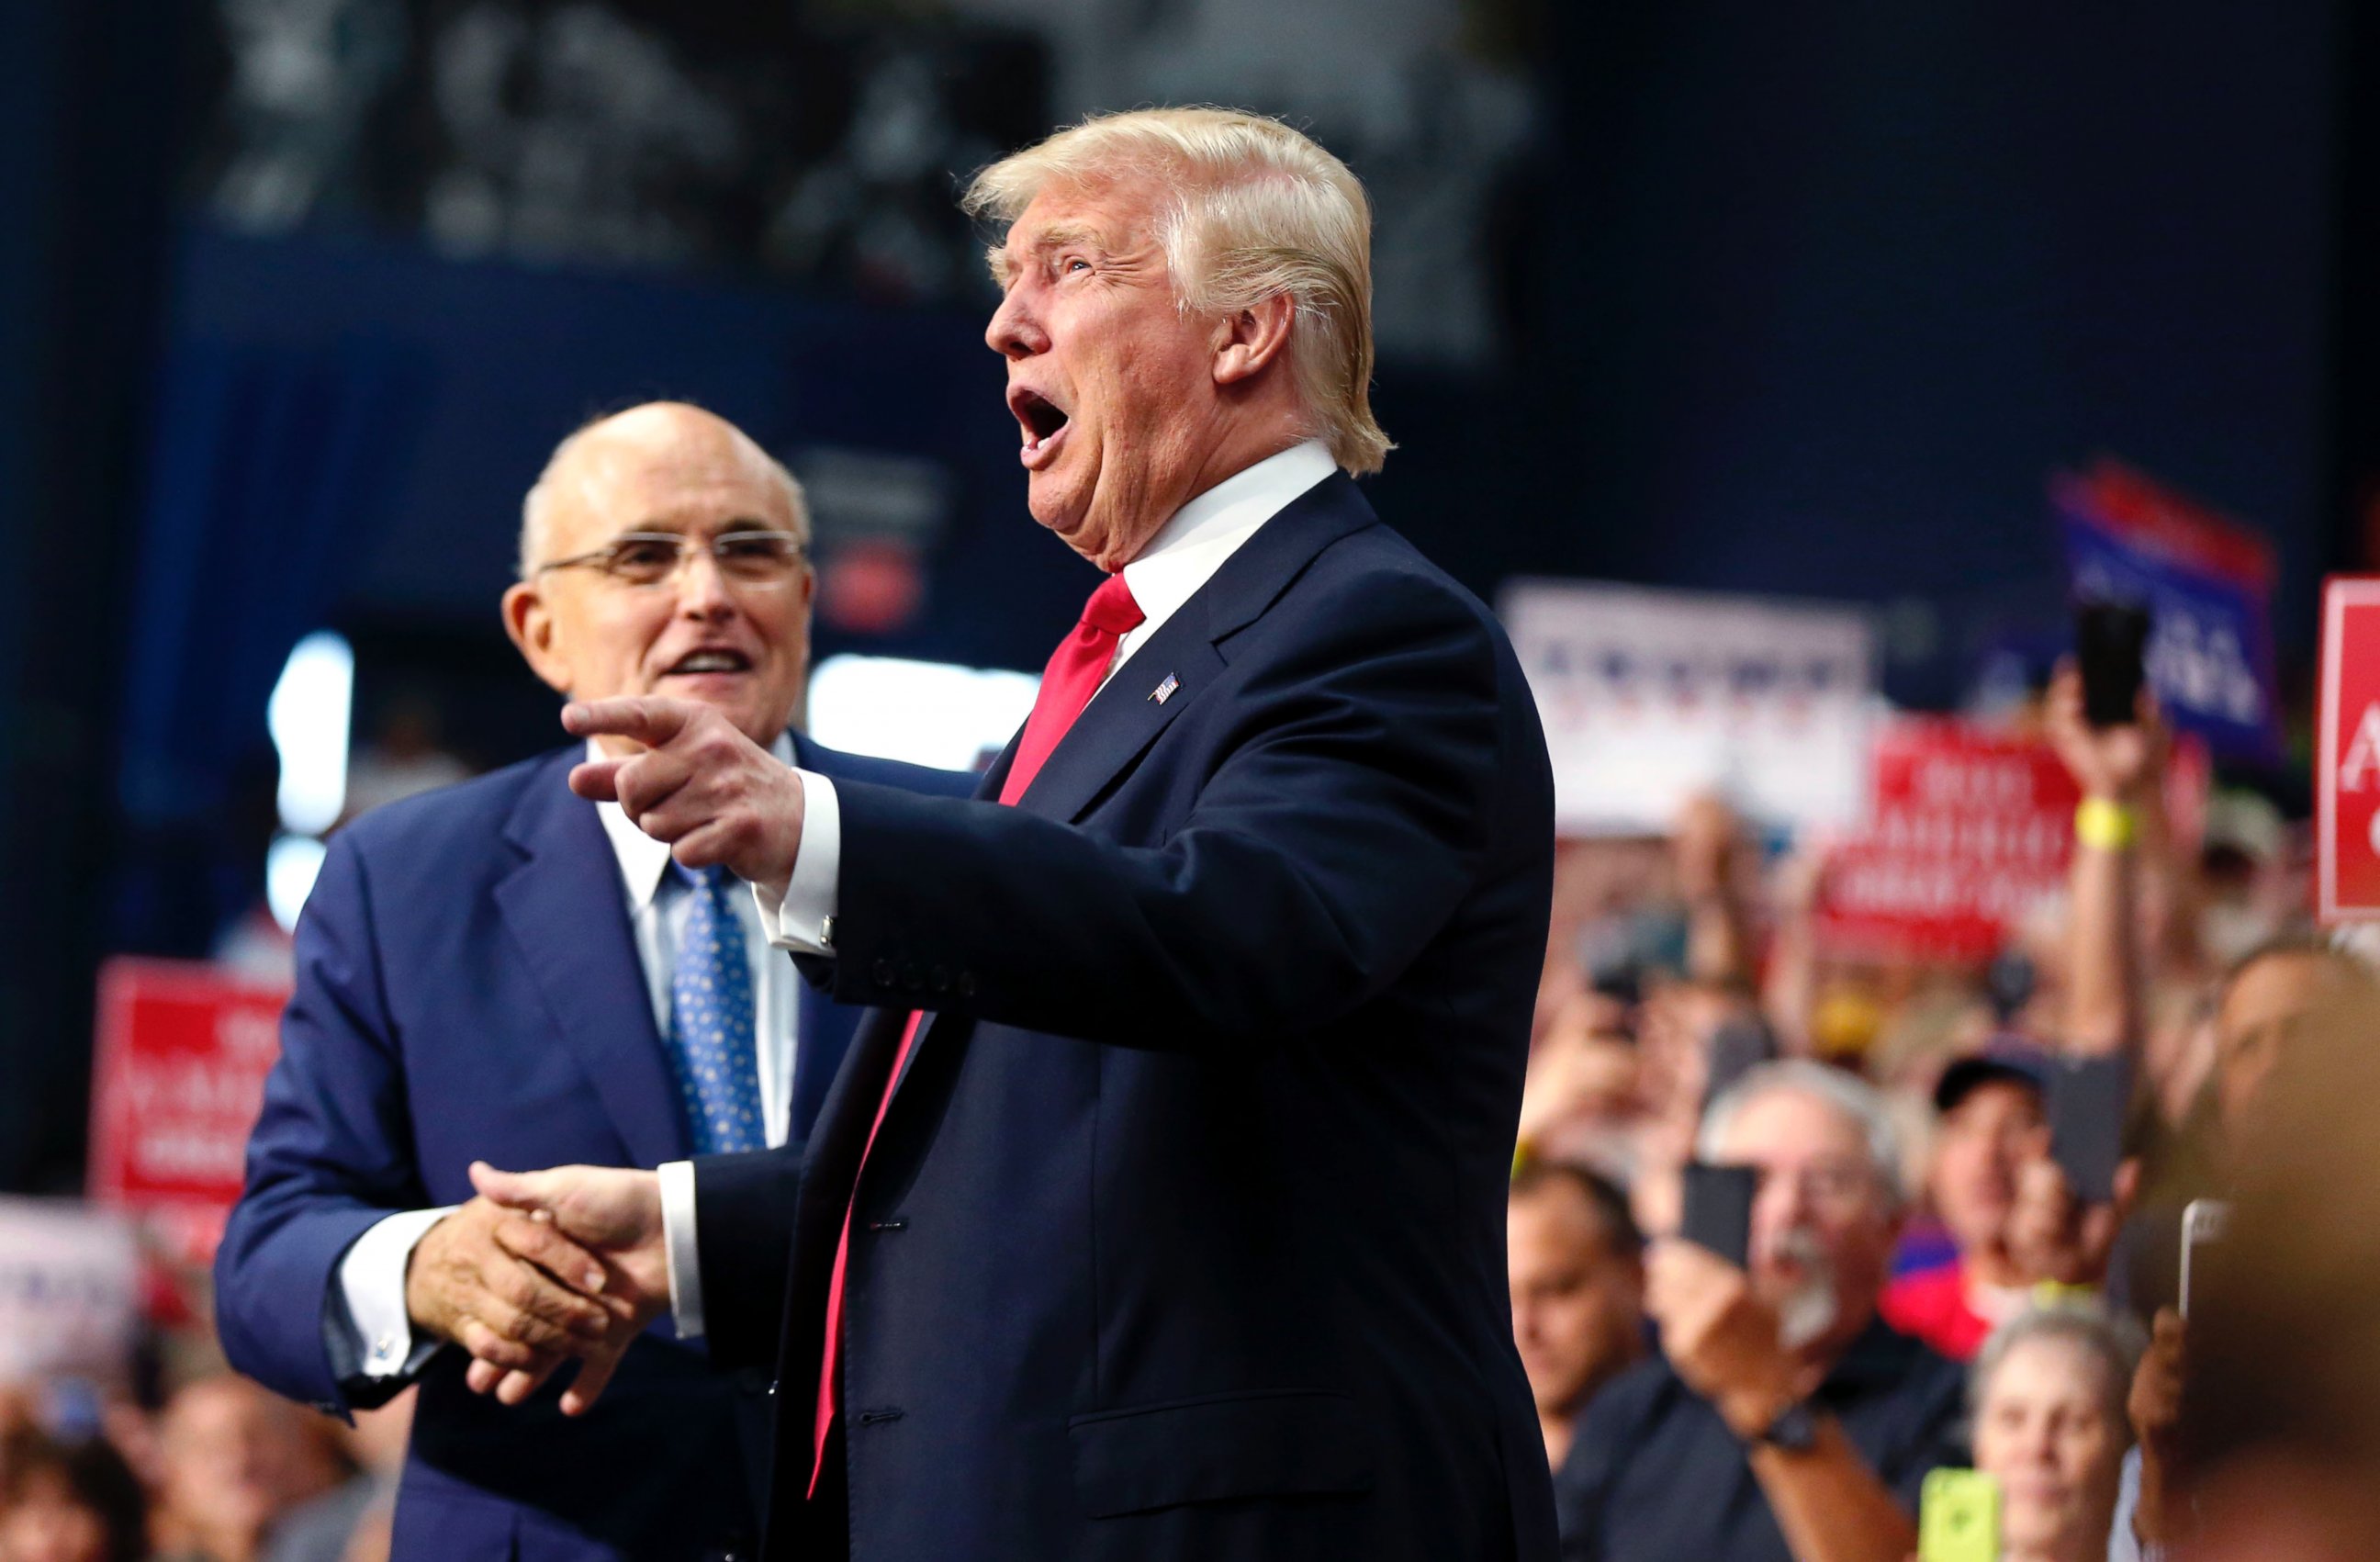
1988, 1117
234, 1463
1782, 1419
1577, 1264
499, 969
2272, 1452
2274, 999
1159, 1215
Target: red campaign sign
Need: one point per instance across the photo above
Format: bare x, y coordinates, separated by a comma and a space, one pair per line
177, 1078
2347, 769
1968, 831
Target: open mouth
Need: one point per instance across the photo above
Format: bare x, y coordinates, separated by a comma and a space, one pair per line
1041, 422
710, 660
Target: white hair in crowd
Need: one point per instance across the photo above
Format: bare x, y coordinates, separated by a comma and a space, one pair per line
2114, 1342
537, 506
1858, 1101
1259, 210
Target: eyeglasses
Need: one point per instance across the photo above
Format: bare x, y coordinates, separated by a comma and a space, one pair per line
648, 558
1835, 1185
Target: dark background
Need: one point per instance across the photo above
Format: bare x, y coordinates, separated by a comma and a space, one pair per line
1803, 300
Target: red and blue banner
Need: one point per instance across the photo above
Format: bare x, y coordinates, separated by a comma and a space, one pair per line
2208, 584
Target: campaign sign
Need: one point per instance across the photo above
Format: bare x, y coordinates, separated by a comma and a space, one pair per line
178, 1078
69, 1290
1971, 830
1650, 697
2346, 765
2207, 585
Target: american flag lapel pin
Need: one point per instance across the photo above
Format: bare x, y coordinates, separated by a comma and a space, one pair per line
1165, 691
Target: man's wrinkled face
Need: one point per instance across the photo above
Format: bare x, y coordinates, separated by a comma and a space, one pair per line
1977, 1150
1822, 1226
695, 635
1112, 383
1578, 1304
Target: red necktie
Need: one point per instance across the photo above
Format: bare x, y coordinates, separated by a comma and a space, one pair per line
1074, 675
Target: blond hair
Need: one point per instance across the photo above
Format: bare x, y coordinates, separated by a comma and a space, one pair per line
1257, 211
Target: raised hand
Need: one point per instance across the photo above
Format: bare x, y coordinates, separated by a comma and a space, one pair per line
612, 1212
1719, 1336
2053, 1235
716, 797
2120, 764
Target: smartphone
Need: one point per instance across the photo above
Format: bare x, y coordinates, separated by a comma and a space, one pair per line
1959, 1517
1737, 1047
2204, 1222
2111, 643
2088, 1097
1717, 1213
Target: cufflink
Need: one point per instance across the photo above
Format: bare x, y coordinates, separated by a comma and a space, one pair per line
826, 933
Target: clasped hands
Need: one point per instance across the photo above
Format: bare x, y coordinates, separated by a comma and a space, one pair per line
550, 1266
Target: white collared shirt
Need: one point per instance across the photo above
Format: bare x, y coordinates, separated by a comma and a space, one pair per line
371, 1274
1183, 556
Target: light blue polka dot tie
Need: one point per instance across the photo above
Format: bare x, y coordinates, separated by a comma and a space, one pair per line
711, 1022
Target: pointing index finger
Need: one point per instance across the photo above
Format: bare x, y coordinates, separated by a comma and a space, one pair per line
648, 718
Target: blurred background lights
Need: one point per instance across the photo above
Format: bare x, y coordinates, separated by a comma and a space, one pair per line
926, 712
307, 716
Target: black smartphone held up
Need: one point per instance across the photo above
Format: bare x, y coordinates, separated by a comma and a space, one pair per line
2088, 1097
1737, 1047
2111, 643
1719, 1210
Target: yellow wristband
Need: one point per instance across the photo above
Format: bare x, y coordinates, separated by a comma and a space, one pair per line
2104, 824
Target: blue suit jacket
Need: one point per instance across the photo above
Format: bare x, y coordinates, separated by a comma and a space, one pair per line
1184, 1235
468, 988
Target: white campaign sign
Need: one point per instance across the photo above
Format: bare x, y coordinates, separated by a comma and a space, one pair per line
69, 1289
1649, 697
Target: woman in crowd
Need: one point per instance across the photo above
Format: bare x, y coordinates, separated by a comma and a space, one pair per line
2050, 1426
70, 1503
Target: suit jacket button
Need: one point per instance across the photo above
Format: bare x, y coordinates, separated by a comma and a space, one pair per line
966, 985
911, 977
939, 979
883, 973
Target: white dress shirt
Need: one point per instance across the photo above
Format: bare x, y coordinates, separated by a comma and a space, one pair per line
1181, 557
371, 1275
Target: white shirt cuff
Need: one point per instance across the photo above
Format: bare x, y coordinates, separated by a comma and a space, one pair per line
372, 1283
800, 917
678, 1249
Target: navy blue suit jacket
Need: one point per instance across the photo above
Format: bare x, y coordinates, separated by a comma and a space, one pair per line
1184, 1235
468, 988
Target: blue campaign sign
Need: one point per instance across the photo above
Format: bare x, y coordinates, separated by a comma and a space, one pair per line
2210, 651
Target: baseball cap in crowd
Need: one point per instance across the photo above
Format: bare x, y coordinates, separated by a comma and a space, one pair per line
2003, 1057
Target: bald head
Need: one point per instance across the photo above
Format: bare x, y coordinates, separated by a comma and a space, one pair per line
586, 470
672, 475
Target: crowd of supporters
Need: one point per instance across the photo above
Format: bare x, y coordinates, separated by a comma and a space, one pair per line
213, 1469
1924, 1288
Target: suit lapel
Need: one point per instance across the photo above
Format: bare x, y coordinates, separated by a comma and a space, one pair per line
567, 912
1126, 716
